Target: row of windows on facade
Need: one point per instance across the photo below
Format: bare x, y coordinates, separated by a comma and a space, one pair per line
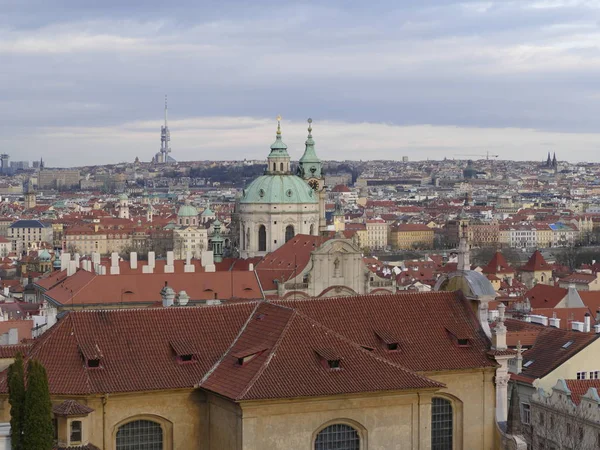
149, 435
593, 375
569, 428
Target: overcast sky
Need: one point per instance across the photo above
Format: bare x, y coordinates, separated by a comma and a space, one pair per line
83, 82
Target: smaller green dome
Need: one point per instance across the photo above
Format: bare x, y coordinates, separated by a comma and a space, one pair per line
187, 211
44, 255
208, 212
123, 197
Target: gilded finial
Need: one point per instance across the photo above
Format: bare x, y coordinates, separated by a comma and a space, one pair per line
309, 126
278, 125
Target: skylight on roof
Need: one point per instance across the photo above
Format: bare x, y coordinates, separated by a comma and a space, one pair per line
567, 344
528, 363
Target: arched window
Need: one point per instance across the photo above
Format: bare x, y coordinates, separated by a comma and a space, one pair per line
262, 238
312, 229
281, 167
274, 167
442, 424
338, 436
289, 232
139, 434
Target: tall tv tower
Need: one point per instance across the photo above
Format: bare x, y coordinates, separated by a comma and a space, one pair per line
165, 139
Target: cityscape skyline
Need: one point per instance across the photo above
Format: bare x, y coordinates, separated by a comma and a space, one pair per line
86, 84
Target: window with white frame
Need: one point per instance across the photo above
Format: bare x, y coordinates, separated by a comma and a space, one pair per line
595, 375
581, 375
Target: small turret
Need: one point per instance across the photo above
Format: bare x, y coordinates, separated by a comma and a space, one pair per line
278, 161
217, 242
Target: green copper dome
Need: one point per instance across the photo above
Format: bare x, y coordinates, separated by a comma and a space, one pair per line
187, 211
208, 212
285, 189
123, 197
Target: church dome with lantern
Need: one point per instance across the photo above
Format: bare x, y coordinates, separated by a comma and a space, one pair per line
277, 205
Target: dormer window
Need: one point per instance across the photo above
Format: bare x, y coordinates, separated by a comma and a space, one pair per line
459, 337
93, 363
184, 351
329, 359
91, 355
391, 342
243, 357
528, 363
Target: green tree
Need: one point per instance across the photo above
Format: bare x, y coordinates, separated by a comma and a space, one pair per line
37, 427
16, 399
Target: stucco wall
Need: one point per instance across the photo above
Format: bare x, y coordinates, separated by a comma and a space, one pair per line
476, 396
385, 421
225, 424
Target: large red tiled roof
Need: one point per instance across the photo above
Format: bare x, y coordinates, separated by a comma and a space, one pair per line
87, 288
419, 320
136, 347
142, 349
579, 388
289, 365
545, 296
536, 262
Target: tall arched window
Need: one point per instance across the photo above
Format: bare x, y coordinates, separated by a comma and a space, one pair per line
338, 436
312, 229
274, 167
281, 167
262, 238
139, 434
289, 232
442, 424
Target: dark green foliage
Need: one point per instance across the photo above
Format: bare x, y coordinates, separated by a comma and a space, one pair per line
16, 398
37, 426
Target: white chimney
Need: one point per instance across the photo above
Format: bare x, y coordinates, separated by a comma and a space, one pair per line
168, 295
5, 291
587, 322
527, 319
577, 326
250, 267
170, 265
96, 258
554, 322
13, 336
183, 298
133, 260
71, 268
597, 328
76, 259
64, 261
542, 320
151, 260
114, 263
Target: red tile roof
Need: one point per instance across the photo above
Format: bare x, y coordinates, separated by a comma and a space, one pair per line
579, 388
536, 262
287, 261
287, 365
545, 296
87, 288
139, 348
497, 265
70, 408
548, 353
424, 341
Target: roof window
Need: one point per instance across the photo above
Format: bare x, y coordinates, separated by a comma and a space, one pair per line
567, 344
390, 341
460, 337
329, 359
243, 357
184, 351
91, 354
529, 363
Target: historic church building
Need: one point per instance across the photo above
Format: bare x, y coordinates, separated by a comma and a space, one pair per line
281, 204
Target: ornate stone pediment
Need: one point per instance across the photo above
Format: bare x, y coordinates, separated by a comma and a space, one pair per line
344, 246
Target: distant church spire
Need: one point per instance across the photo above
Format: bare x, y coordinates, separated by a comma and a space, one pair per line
464, 260
548, 161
